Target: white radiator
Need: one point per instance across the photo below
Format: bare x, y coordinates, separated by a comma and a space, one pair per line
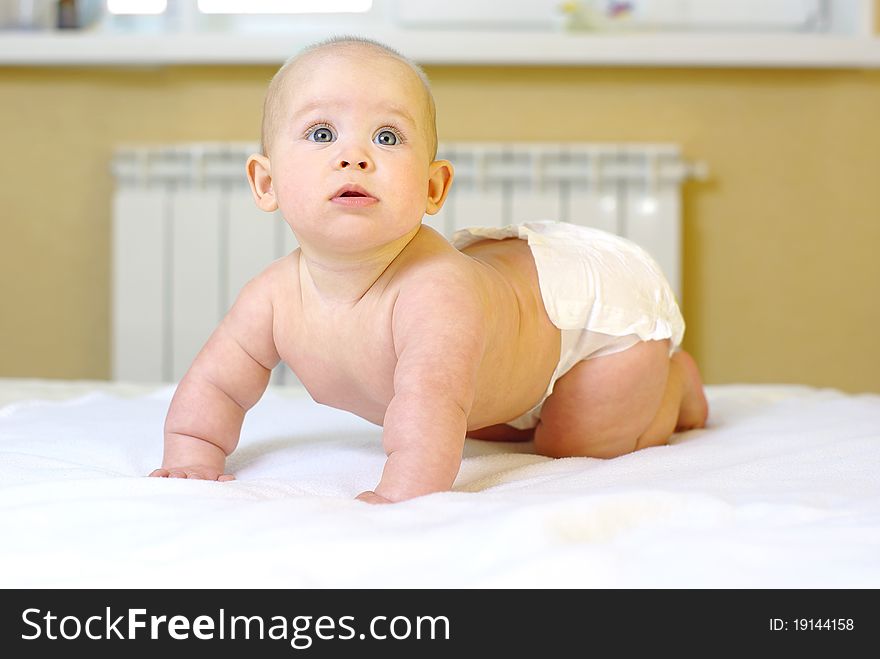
187, 235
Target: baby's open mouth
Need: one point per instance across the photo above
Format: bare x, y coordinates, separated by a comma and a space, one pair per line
353, 195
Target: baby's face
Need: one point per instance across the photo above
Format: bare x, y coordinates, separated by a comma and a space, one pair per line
350, 156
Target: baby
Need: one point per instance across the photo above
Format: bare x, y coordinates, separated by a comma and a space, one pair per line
546, 331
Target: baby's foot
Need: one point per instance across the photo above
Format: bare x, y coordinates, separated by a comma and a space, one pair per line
694, 408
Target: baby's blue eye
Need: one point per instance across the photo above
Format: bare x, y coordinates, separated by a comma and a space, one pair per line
322, 134
386, 138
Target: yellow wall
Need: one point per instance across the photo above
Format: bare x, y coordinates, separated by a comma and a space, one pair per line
782, 273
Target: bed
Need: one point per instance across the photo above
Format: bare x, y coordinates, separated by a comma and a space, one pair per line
781, 490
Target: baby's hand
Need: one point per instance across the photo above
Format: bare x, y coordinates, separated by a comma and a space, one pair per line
371, 497
195, 472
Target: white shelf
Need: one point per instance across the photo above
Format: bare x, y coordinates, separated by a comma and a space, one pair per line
455, 48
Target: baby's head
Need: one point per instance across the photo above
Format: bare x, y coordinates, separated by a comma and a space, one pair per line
349, 147
281, 85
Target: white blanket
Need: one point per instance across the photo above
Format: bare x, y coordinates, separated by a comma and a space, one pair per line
781, 490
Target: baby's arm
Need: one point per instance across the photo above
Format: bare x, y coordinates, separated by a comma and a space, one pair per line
226, 379
439, 338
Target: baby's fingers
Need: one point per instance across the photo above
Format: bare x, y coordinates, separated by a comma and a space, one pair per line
371, 497
209, 476
192, 474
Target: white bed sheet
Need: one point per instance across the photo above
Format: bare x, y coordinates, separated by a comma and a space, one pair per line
781, 490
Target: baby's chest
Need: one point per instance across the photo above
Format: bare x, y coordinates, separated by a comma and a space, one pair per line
347, 363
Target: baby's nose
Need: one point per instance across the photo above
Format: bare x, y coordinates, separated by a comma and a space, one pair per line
362, 164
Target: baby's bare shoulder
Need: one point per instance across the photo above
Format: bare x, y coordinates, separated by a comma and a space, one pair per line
439, 319
439, 289
277, 279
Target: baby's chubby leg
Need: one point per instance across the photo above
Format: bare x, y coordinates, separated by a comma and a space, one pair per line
612, 405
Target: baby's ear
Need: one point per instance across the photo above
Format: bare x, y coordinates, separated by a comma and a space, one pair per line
440, 175
259, 173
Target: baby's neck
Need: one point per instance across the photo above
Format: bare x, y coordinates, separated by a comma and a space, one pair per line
343, 280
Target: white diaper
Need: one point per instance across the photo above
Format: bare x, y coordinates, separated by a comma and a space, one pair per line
604, 292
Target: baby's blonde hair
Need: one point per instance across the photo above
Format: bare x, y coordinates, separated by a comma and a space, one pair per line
272, 106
